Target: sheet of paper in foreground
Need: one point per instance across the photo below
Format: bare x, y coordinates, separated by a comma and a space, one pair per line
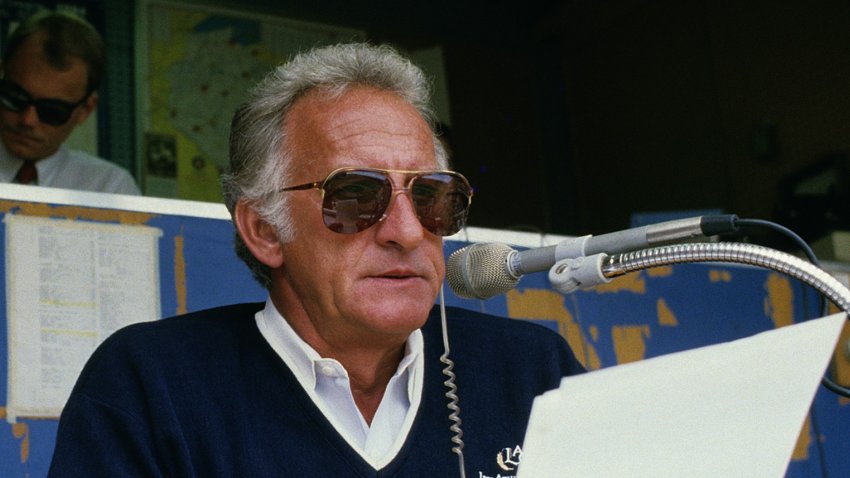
732, 409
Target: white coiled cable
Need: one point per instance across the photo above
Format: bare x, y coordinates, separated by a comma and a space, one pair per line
451, 393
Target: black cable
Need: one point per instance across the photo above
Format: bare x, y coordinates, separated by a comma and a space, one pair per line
807, 250
810, 254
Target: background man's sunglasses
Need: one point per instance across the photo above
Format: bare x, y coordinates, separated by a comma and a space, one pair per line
354, 199
50, 111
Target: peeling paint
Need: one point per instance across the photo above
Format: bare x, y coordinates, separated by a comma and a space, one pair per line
547, 304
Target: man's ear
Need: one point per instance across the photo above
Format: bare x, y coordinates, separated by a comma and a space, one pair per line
87, 108
258, 235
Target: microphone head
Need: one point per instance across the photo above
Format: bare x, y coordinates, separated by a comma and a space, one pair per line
480, 271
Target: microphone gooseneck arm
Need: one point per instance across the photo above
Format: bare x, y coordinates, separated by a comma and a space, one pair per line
750, 254
571, 274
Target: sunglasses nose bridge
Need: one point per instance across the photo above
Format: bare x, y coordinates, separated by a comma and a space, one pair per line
406, 182
396, 191
29, 113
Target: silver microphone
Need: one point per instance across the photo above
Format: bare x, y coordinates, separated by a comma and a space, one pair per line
484, 270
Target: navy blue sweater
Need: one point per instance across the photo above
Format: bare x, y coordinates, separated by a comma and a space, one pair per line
204, 395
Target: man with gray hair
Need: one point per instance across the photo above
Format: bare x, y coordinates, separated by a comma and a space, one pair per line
341, 194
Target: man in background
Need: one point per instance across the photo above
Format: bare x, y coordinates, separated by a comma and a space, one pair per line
52, 66
341, 195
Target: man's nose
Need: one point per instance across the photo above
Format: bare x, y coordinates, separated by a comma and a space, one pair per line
29, 115
401, 223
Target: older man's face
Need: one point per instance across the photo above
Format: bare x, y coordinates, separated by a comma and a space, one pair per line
374, 287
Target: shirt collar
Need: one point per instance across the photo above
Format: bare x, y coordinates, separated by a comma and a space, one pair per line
10, 164
303, 359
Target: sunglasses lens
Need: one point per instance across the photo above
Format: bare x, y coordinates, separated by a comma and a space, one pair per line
355, 200
53, 113
441, 201
12, 101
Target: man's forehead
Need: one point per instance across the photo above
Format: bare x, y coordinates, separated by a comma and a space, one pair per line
31, 68
362, 123
361, 102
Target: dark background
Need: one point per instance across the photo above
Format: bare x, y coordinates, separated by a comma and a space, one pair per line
570, 116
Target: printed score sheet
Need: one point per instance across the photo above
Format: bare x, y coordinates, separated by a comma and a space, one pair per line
69, 284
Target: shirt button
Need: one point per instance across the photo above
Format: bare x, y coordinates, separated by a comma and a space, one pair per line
328, 371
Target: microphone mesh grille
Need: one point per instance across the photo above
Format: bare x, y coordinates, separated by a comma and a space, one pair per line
480, 271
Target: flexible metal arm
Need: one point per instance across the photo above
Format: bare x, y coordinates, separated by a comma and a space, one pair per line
584, 272
750, 254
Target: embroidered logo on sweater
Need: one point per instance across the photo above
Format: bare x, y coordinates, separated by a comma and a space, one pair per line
508, 458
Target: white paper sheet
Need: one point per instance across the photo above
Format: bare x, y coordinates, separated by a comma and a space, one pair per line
733, 409
69, 284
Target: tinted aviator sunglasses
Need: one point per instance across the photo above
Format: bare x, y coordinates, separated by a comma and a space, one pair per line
50, 111
354, 199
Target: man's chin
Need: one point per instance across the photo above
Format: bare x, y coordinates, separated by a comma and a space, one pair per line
403, 317
23, 147
25, 153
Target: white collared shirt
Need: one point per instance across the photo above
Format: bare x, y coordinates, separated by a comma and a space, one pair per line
72, 169
326, 382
